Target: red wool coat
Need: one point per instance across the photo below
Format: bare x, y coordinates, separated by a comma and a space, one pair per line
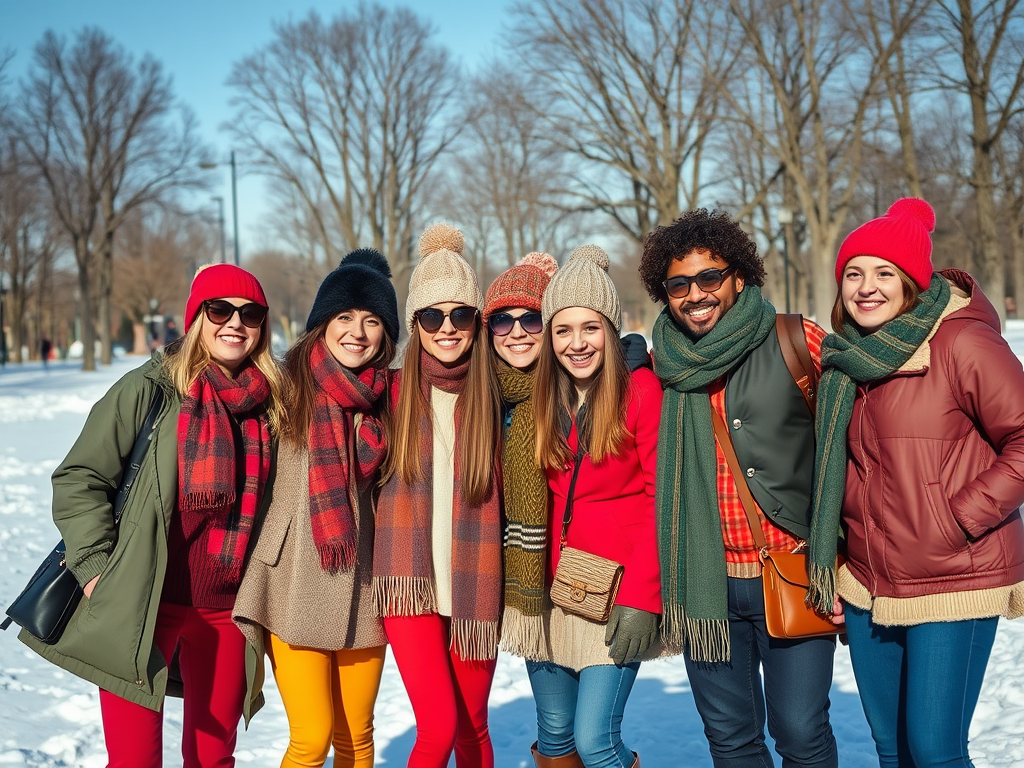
613, 507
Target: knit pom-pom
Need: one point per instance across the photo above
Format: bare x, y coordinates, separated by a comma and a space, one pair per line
545, 262
914, 207
441, 236
593, 253
369, 257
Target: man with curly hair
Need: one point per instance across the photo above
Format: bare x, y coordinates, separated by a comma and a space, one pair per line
717, 347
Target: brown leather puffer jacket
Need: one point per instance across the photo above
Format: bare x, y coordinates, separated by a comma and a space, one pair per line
935, 473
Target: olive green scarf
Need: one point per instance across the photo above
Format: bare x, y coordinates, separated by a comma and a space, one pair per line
694, 585
525, 493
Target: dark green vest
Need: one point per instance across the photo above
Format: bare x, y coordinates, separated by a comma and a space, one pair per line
773, 433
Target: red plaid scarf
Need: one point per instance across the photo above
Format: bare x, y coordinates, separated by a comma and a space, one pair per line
214, 413
340, 395
402, 565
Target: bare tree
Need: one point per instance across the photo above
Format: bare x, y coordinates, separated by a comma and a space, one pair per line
350, 114
99, 128
824, 85
634, 88
989, 42
506, 181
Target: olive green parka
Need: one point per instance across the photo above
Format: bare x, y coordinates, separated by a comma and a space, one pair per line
109, 640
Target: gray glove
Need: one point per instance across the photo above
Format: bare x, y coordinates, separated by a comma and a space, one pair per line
630, 633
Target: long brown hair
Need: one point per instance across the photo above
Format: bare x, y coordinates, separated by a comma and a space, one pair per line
603, 430
478, 407
301, 388
185, 359
840, 317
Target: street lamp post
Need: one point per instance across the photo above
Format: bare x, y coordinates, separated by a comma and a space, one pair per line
3, 332
785, 217
234, 198
220, 220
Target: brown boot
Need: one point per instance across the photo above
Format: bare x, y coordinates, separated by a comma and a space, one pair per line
572, 760
636, 760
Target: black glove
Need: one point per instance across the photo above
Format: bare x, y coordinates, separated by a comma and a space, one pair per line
630, 633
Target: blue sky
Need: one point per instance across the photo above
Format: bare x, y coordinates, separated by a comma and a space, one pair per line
197, 42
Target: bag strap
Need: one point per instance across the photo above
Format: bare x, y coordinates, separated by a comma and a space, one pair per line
139, 449
567, 517
793, 343
746, 498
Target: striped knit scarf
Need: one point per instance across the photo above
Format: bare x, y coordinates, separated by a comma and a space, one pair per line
525, 492
403, 579
215, 413
694, 586
340, 395
847, 359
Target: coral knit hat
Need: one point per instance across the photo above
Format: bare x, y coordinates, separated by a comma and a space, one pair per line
221, 281
902, 236
522, 285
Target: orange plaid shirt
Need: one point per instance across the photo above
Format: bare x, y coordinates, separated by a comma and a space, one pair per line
740, 551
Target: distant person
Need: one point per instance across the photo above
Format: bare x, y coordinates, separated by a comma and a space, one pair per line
45, 349
167, 578
170, 333
920, 464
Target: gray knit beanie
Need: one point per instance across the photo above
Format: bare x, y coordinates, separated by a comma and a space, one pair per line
441, 275
583, 281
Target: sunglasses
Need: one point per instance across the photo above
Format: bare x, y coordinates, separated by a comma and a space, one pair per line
220, 312
502, 323
431, 319
708, 281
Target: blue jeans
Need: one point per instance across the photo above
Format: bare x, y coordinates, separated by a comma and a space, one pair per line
797, 679
582, 711
919, 686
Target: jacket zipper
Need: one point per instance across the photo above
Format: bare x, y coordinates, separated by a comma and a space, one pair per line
868, 516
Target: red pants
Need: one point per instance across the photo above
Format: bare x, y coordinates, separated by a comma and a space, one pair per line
212, 659
448, 694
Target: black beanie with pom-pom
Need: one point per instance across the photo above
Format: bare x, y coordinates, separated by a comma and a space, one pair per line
361, 281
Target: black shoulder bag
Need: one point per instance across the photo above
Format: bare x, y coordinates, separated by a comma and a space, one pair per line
45, 606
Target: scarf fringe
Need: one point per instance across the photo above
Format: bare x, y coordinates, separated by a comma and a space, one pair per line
473, 639
403, 596
193, 502
523, 635
338, 556
708, 639
821, 594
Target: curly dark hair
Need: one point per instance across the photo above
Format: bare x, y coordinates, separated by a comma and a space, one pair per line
698, 230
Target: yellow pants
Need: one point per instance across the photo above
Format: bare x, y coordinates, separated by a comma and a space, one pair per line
328, 697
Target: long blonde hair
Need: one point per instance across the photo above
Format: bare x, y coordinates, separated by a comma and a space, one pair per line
188, 357
478, 407
603, 430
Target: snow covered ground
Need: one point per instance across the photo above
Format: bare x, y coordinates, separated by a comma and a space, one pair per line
50, 718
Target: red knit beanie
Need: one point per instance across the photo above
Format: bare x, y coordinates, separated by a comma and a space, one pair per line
522, 285
221, 281
902, 236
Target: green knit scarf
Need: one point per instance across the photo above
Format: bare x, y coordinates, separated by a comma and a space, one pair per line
694, 587
847, 359
525, 492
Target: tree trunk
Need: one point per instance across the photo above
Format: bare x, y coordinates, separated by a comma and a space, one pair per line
86, 324
1017, 246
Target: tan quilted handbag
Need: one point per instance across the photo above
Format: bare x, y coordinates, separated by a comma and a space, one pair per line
586, 584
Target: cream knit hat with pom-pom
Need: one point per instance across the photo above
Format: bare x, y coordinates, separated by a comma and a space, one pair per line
441, 275
583, 281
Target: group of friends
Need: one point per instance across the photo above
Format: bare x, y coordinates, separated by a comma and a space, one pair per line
317, 510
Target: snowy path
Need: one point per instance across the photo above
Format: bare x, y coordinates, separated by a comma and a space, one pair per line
50, 718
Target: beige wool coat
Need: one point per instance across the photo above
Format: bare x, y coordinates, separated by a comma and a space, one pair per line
285, 590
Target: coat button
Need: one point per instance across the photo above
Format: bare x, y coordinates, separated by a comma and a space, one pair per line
750, 472
736, 423
138, 682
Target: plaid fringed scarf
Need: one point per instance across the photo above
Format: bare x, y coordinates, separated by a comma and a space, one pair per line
403, 580
525, 491
340, 395
849, 358
215, 412
694, 585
